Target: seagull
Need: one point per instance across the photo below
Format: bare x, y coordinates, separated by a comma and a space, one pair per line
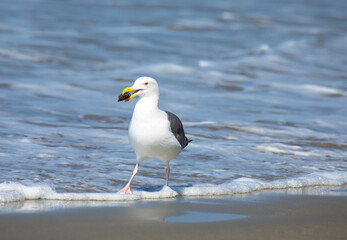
153, 133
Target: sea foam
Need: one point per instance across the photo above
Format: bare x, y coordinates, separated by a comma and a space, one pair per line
12, 191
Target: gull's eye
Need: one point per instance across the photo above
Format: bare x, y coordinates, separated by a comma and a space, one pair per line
146, 83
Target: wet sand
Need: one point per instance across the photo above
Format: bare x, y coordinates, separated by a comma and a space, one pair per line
257, 216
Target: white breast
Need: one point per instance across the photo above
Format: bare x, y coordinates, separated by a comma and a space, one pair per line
151, 136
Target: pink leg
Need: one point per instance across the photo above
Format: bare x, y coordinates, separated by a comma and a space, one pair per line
167, 171
127, 189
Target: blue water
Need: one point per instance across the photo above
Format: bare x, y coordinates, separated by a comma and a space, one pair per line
260, 86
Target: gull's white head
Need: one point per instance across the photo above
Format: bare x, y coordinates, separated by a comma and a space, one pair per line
142, 87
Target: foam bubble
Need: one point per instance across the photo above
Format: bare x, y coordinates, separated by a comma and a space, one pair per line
204, 63
172, 68
197, 23
25, 140
263, 48
44, 155
230, 16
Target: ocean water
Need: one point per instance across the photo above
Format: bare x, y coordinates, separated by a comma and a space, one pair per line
260, 86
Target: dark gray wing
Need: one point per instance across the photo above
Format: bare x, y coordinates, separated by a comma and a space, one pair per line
177, 129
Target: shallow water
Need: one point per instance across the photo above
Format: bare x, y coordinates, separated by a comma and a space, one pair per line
260, 88
199, 217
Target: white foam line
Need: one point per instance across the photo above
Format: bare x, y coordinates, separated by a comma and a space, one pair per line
274, 149
193, 124
323, 90
312, 88
11, 191
297, 132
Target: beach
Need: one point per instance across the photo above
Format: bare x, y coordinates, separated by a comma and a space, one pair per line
266, 215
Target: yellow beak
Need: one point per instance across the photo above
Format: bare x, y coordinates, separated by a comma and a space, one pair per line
130, 89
